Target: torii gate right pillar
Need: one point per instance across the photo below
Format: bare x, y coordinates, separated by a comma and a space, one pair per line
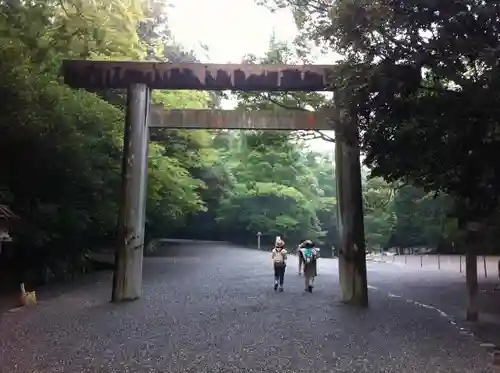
352, 253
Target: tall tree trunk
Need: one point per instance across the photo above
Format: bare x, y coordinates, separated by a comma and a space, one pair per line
470, 230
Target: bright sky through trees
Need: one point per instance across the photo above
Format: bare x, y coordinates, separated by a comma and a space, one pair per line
230, 29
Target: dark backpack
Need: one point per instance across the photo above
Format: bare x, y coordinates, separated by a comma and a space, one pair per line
307, 253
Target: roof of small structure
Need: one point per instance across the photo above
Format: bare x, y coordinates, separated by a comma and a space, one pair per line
6, 213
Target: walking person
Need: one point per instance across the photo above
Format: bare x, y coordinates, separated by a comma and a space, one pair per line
279, 256
301, 258
310, 257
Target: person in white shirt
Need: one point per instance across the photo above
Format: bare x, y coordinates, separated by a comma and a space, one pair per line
279, 256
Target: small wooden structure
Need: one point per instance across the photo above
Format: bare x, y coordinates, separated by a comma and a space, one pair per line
6, 219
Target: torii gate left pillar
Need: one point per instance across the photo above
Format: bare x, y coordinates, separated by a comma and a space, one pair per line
129, 250
139, 78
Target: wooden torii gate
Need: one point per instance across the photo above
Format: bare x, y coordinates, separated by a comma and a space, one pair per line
139, 78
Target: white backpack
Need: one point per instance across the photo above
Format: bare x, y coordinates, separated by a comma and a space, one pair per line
279, 256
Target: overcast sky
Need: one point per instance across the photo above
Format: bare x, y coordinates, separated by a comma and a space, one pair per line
231, 29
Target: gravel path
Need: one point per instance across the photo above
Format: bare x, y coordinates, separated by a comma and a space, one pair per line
212, 309
444, 290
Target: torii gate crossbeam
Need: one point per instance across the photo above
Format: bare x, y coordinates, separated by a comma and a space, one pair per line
289, 120
139, 78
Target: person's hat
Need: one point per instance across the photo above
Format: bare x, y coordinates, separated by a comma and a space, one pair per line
308, 244
279, 242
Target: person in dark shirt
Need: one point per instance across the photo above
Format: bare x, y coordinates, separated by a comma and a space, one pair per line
310, 257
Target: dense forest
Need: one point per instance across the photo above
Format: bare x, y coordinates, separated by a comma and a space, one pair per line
61, 149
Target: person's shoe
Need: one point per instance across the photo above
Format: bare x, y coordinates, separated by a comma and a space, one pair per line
310, 289
275, 287
281, 289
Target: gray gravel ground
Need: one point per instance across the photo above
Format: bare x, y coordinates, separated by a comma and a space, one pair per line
211, 308
444, 290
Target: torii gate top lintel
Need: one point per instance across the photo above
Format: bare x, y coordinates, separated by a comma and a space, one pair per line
196, 76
